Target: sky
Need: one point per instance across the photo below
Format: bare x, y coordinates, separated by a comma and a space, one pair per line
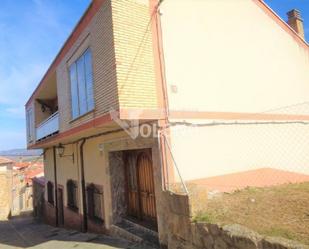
31, 34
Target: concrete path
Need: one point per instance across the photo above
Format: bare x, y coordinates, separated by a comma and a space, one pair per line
28, 233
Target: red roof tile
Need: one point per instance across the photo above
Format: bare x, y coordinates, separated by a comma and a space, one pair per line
264, 177
4, 160
33, 173
21, 165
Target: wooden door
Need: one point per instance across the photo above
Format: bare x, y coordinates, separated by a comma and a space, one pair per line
60, 207
146, 189
132, 188
140, 185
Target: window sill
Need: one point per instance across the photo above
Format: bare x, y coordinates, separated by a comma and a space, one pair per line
81, 116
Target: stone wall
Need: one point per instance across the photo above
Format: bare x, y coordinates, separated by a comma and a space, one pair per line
117, 175
38, 198
5, 191
184, 234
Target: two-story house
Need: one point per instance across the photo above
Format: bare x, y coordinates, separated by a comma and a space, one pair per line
107, 64
222, 60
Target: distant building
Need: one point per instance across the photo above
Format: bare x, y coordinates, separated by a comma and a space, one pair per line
22, 175
6, 166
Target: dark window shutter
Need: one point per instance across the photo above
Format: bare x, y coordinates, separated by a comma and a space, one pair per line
90, 198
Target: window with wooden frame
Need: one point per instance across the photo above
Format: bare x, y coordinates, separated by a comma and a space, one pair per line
95, 202
72, 195
50, 192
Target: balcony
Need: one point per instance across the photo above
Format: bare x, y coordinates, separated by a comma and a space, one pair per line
48, 127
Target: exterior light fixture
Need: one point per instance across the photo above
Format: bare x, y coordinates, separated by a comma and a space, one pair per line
60, 151
101, 149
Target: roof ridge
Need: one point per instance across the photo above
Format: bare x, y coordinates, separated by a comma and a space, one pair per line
264, 6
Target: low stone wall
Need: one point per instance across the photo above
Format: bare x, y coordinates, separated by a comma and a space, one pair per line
5, 191
184, 234
38, 198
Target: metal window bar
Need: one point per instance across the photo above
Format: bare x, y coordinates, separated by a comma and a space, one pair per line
94, 200
50, 193
72, 194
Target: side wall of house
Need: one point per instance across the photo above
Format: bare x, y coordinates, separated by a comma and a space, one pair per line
232, 57
214, 150
137, 86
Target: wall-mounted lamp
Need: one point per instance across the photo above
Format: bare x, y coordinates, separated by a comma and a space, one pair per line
101, 149
60, 151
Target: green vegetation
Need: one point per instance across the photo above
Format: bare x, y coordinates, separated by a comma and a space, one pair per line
281, 211
279, 232
204, 217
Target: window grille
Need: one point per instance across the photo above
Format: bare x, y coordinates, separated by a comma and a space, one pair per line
50, 192
94, 200
72, 194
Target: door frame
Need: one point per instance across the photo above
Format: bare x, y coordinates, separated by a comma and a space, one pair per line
145, 221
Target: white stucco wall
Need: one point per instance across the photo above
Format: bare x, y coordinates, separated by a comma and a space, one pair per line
230, 56
224, 149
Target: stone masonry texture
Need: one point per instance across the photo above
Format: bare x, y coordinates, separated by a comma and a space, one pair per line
184, 234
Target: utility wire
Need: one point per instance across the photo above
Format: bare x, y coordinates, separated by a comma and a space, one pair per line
184, 123
140, 46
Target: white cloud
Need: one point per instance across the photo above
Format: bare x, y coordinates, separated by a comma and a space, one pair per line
16, 112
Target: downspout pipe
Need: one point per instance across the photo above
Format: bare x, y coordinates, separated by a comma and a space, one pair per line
56, 186
83, 185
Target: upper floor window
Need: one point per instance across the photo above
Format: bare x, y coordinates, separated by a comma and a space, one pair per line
82, 85
72, 195
30, 124
50, 193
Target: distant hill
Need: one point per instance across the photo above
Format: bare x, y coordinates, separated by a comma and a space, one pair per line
20, 152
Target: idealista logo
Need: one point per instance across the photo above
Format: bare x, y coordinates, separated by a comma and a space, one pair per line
132, 126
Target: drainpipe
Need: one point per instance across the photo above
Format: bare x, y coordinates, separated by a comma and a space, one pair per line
83, 185
56, 185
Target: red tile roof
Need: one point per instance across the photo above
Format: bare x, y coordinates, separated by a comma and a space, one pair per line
264, 177
33, 173
4, 160
21, 165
